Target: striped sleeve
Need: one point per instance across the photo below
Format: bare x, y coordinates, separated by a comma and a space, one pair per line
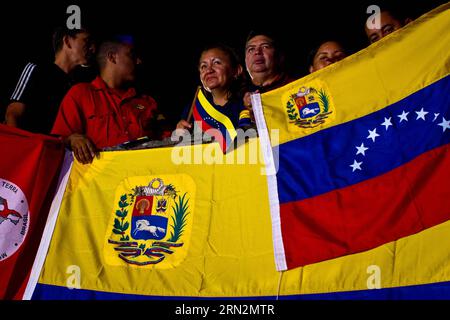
23, 82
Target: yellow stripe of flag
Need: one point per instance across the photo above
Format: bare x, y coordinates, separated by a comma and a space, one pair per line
214, 113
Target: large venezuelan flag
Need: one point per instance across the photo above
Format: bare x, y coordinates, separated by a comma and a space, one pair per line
226, 249
363, 147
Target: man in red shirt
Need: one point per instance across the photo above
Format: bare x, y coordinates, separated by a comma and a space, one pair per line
107, 111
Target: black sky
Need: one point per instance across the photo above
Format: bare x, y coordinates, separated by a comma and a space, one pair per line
172, 34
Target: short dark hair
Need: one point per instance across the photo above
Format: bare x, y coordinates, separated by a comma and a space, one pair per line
395, 13
398, 11
264, 32
111, 44
60, 32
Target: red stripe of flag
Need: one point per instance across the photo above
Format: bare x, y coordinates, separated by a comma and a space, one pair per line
207, 127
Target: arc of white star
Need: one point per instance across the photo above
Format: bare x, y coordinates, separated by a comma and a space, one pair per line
403, 116
444, 124
373, 134
361, 149
421, 114
356, 165
387, 123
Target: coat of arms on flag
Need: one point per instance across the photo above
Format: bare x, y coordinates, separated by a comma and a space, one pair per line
151, 221
309, 106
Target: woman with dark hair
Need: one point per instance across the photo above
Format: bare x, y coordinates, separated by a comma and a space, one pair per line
326, 53
221, 76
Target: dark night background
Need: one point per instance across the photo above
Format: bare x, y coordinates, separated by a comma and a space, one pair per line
172, 34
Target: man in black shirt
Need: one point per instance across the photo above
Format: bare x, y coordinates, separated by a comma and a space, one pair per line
36, 98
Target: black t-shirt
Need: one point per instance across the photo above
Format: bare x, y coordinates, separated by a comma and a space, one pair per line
283, 80
41, 88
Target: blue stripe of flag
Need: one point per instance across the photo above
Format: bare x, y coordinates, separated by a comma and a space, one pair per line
440, 290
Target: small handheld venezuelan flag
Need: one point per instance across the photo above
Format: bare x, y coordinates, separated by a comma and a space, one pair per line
214, 122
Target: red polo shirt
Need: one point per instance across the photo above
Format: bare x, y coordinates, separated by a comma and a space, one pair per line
106, 116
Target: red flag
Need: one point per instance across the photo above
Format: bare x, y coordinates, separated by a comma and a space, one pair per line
29, 166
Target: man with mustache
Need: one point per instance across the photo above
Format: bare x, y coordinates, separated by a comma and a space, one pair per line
264, 60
